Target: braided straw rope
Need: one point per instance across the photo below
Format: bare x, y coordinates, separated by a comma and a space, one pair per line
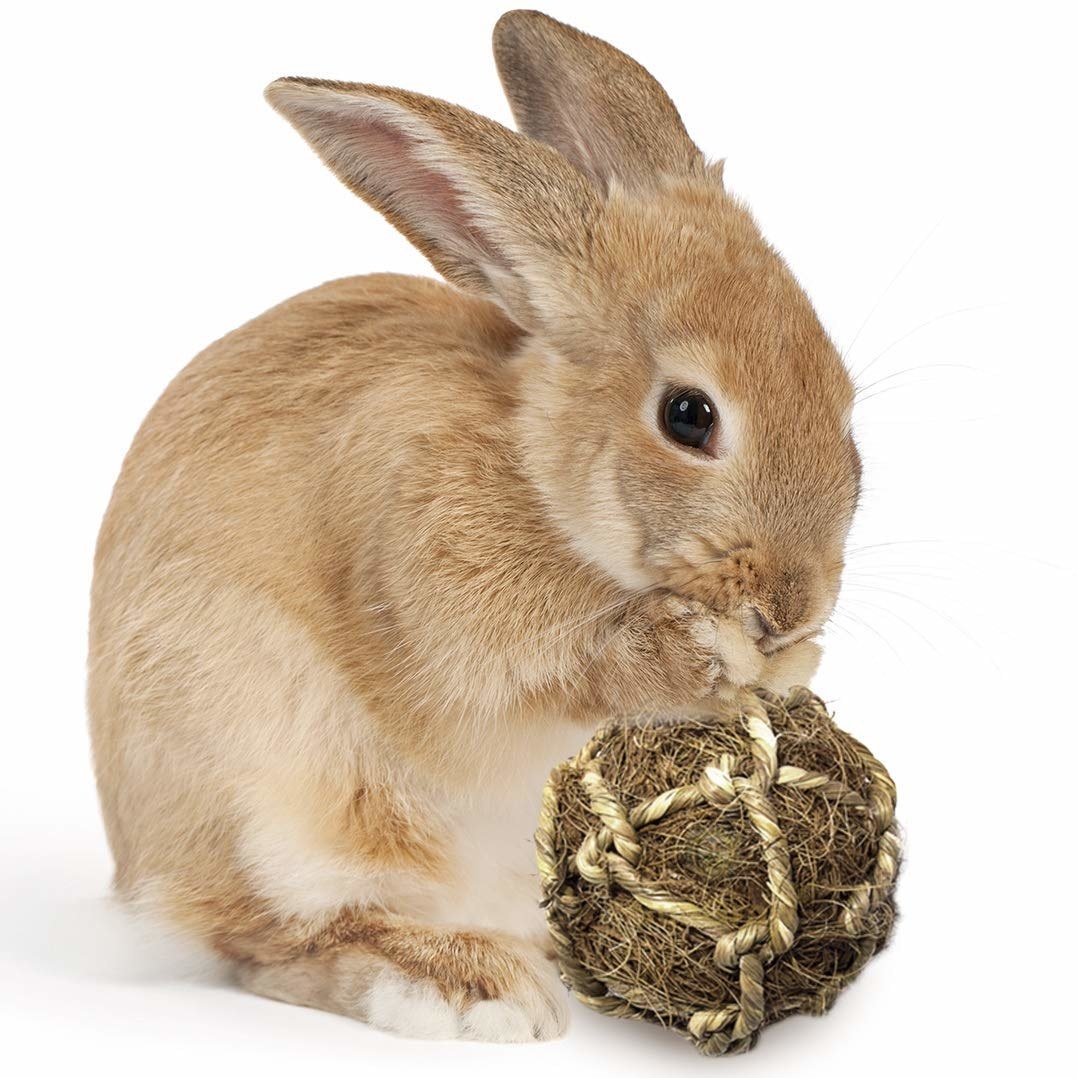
610, 856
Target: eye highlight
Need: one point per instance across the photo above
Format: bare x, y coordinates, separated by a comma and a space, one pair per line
689, 417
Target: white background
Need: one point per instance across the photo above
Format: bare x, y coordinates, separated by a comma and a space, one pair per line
914, 162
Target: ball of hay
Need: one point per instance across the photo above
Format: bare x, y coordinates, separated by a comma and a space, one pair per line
717, 874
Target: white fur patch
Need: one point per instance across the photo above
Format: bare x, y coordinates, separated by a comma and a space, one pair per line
299, 878
499, 889
537, 1010
410, 1008
415, 1009
741, 658
495, 1020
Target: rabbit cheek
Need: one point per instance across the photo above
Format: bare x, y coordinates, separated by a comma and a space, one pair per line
603, 525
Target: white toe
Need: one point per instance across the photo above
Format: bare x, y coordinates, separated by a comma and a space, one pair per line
498, 1021
410, 1008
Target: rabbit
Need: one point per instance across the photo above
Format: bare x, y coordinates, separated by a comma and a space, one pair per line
381, 557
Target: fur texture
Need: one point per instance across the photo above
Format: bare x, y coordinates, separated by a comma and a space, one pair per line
379, 558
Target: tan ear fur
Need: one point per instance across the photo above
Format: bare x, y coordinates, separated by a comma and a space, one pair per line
482, 202
597, 106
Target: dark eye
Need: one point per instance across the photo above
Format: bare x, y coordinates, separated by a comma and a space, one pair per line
689, 417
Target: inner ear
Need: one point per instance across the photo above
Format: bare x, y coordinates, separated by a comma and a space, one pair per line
381, 162
423, 193
489, 207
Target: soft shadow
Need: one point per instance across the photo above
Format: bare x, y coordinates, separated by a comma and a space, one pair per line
68, 924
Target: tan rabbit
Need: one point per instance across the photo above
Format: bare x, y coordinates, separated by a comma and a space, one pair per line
379, 558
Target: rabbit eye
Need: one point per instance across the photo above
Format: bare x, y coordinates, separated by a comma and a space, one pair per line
688, 416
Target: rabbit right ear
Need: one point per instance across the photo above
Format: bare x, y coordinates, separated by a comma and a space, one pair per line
493, 210
594, 104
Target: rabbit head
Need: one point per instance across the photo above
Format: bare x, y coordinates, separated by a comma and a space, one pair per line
678, 405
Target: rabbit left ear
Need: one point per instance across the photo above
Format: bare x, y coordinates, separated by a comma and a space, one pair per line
497, 213
595, 105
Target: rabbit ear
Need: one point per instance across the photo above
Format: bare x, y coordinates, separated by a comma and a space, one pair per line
594, 104
490, 208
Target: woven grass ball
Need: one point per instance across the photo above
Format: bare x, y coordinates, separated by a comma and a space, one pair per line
715, 875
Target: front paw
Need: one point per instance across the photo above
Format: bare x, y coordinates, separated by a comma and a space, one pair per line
686, 644
696, 653
795, 665
668, 653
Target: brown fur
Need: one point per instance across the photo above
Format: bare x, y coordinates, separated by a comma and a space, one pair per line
378, 558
